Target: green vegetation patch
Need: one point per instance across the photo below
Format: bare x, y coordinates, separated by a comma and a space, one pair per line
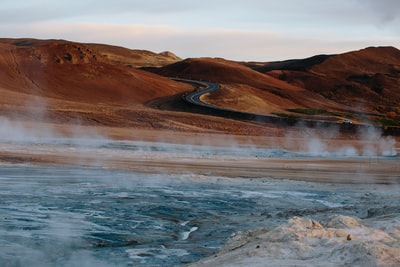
286, 115
308, 111
387, 122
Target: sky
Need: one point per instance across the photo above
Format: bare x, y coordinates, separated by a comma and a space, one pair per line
248, 30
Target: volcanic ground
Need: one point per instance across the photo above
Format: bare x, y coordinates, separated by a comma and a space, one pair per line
311, 144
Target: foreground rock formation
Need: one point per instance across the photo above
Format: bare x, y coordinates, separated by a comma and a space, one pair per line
339, 241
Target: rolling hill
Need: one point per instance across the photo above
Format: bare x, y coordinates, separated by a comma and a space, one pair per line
96, 84
65, 81
361, 85
368, 79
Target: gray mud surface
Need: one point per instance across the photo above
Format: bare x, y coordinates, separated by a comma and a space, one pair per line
64, 216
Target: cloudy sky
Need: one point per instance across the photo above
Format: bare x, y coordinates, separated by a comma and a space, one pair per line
259, 30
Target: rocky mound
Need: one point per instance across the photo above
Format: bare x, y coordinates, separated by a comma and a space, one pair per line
341, 241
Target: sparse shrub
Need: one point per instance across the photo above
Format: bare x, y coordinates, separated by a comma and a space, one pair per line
308, 111
286, 115
386, 122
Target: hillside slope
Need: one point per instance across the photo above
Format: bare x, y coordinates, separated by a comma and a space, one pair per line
62, 82
245, 89
135, 58
72, 71
368, 79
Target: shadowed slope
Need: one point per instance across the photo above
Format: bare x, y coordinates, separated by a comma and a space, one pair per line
293, 64
368, 79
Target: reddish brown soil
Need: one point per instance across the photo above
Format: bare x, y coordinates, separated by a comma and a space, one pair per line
65, 83
68, 89
367, 80
345, 86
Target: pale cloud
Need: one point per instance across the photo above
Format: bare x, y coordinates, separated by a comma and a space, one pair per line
36, 11
383, 11
256, 14
231, 44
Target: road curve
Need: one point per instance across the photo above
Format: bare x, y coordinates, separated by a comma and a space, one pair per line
194, 97
208, 87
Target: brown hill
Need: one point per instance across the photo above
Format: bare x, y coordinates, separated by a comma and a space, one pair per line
245, 89
61, 81
68, 83
67, 70
71, 80
291, 64
368, 79
362, 86
135, 58
220, 71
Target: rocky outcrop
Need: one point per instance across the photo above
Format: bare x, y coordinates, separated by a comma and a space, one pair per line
340, 241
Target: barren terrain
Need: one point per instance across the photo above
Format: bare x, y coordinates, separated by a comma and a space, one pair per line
91, 84
110, 108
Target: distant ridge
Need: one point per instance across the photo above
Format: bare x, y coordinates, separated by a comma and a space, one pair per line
293, 64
